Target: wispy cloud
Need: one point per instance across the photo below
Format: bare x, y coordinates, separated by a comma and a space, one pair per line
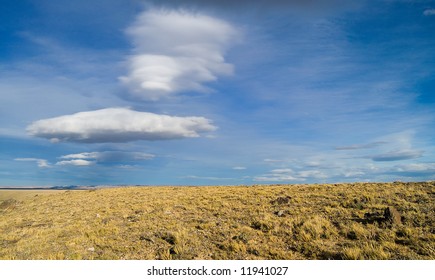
415, 169
110, 156
239, 168
91, 158
41, 162
206, 178
76, 162
279, 175
176, 51
397, 155
118, 125
90, 155
283, 171
429, 12
271, 160
353, 173
258, 4
275, 178
361, 146
313, 174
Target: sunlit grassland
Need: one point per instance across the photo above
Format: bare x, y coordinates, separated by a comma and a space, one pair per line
22, 195
329, 221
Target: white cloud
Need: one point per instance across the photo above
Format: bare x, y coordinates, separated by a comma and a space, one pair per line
287, 174
41, 162
312, 174
274, 178
91, 155
429, 12
351, 173
76, 162
413, 171
206, 178
416, 168
118, 125
176, 51
283, 170
110, 156
239, 168
278, 175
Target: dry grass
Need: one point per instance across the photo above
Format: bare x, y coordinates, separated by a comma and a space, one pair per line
340, 221
22, 195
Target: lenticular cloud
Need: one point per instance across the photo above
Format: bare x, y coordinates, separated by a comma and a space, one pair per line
118, 125
176, 51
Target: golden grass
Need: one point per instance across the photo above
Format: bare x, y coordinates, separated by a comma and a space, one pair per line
330, 221
25, 194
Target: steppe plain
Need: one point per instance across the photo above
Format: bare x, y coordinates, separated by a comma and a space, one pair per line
320, 221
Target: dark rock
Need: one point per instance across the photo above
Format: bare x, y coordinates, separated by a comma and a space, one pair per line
392, 215
281, 200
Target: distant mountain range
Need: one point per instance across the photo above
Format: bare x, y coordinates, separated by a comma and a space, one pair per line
71, 187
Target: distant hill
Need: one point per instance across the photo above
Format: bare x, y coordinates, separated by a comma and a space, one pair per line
71, 187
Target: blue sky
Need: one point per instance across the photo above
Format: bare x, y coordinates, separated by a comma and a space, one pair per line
216, 92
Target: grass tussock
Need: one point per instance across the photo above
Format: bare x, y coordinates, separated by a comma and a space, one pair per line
330, 221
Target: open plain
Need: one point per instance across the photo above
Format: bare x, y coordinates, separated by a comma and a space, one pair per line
321, 221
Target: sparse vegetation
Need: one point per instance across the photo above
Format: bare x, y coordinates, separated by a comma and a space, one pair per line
329, 221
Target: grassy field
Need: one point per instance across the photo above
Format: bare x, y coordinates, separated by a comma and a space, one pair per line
23, 195
330, 221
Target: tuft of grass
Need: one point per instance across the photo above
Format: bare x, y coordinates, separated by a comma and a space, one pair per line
316, 227
352, 253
